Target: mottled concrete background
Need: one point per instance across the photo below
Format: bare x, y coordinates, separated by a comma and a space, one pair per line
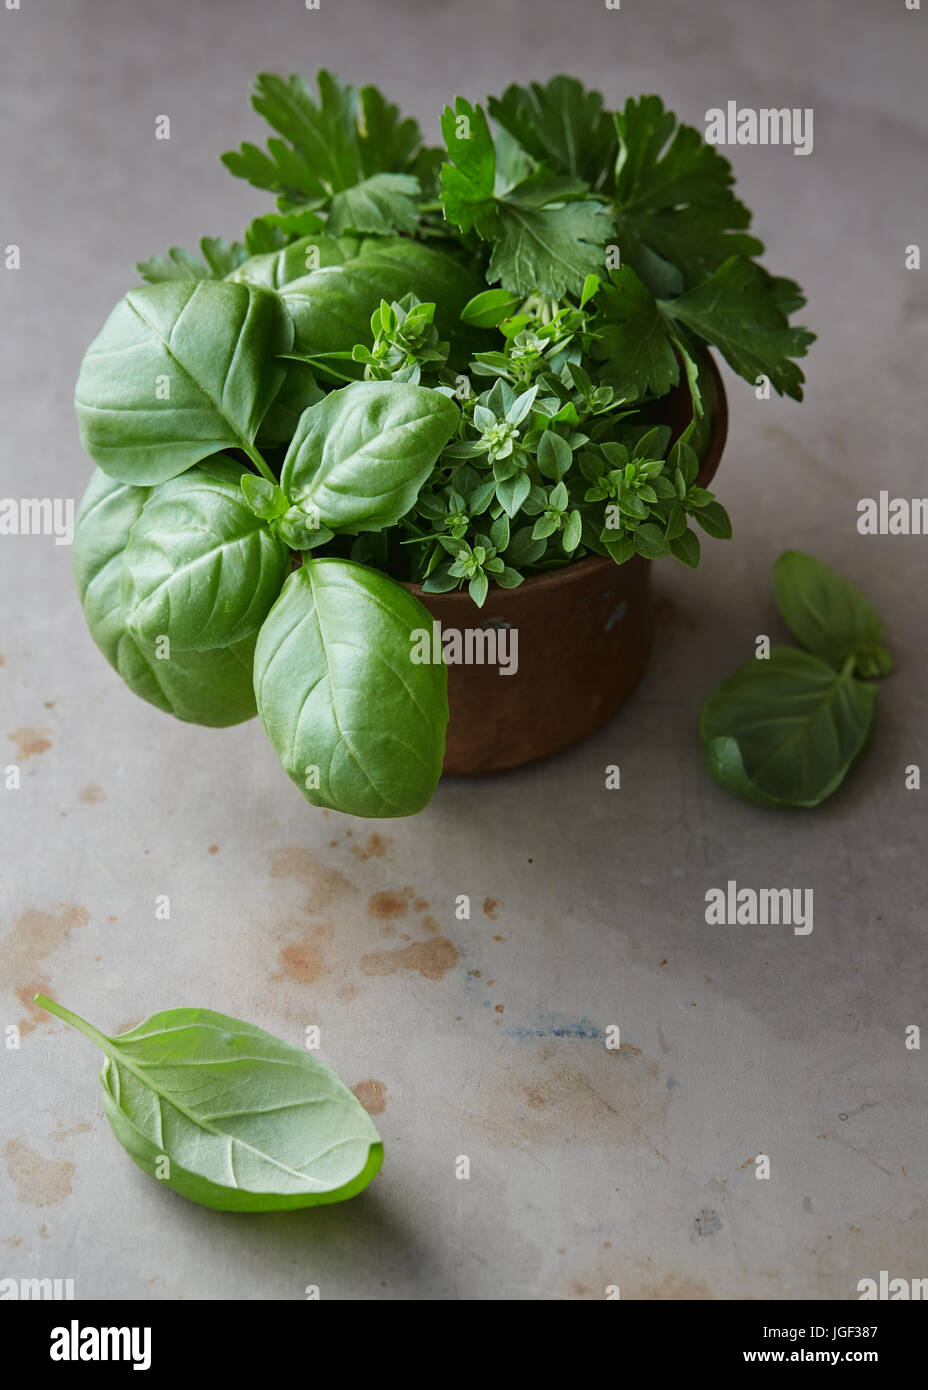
484, 1037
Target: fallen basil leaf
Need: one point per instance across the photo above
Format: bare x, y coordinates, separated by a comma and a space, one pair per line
229, 1116
357, 726
785, 731
829, 615
179, 371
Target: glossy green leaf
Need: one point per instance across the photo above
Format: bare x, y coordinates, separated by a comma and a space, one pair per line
213, 688
489, 308
200, 566
785, 731
331, 309
358, 726
230, 1116
299, 390
383, 203
274, 269
361, 455
829, 615
218, 260
180, 371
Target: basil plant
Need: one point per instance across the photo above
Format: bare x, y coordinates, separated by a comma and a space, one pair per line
285, 427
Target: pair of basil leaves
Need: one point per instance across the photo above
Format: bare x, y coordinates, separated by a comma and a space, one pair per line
182, 554
786, 730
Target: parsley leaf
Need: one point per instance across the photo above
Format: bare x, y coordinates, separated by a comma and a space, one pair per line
547, 236
634, 335
560, 123
218, 260
344, 152
676, 215
739, 310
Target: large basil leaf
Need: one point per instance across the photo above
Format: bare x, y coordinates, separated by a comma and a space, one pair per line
274, 269
230, 1116
213, 688
298, 392
829, 615
339, 696
200, 567
180, 370
331, 308
331, 311
361, 455
785, 731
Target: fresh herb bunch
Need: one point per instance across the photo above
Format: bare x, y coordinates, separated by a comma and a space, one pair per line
341, 385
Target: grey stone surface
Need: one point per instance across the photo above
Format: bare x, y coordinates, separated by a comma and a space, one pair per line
589, 1168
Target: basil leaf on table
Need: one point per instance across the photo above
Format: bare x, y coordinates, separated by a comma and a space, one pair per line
361, 455
786, 730
214, 688
829, 615
201, 567
339, 696
179, 371
246, 1121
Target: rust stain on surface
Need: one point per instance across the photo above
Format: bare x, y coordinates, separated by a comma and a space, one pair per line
213, 849
91, 794
538, 1100
375, 848
432, 959
309, 869
491, 908
302, 963
387, 906
84, 1128
431, 924
36, 935
30, 742
372, 1095
40, 1182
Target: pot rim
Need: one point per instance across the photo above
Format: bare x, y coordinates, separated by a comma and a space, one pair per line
579, 568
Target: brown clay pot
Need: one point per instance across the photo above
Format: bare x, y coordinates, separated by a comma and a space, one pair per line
584, 637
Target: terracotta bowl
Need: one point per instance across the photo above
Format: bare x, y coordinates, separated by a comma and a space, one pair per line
584, 638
